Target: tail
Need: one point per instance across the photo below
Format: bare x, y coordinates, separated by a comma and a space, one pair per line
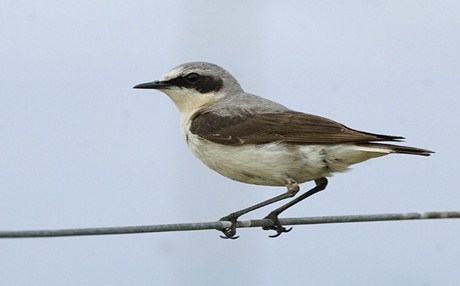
396, 149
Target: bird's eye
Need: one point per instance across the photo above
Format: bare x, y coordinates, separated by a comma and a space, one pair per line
192, 77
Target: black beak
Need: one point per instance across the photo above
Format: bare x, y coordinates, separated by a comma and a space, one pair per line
153, 85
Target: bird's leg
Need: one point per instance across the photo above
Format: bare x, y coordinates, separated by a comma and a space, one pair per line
230, 232
320, 185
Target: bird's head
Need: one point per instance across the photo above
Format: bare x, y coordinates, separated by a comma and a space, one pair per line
195, 85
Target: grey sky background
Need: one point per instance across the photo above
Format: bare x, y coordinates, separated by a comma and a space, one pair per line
80, 148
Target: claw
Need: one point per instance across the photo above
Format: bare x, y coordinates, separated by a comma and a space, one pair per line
280, 231
227, 237
229, 232
277, 226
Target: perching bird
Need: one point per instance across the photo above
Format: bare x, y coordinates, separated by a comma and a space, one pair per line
253, 140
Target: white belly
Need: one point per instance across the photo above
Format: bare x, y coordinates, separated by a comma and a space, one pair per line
273, 164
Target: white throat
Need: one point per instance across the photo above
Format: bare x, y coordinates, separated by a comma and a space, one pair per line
190, 101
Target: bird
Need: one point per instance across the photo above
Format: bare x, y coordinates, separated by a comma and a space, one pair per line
253, 140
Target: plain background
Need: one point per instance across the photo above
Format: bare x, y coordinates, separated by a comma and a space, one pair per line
80, 148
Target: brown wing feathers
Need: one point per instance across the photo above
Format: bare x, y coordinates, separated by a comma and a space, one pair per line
289, 126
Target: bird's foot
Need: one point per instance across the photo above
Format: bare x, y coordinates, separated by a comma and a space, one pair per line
277, 226
229, 232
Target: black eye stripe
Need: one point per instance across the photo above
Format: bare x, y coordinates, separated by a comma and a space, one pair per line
201, 83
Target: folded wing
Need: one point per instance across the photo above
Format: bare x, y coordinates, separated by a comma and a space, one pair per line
288, 126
